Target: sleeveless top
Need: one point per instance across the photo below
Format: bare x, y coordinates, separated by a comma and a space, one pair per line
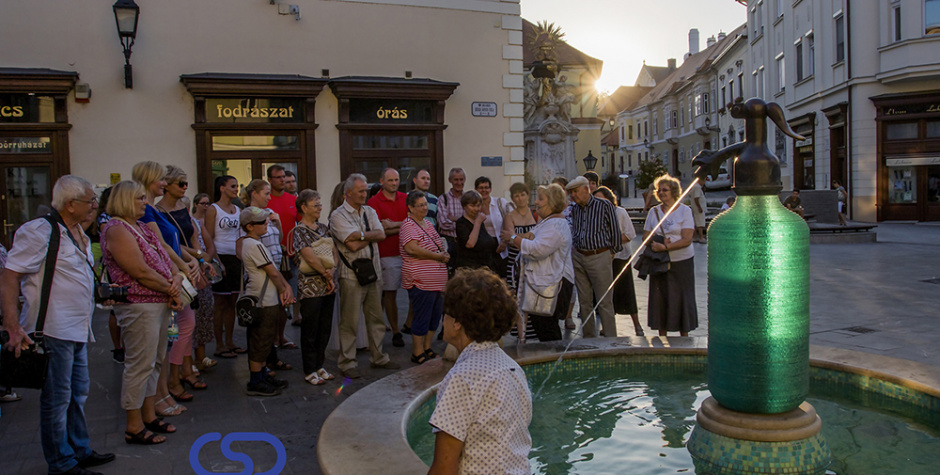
511, 270
154, 255
226, 230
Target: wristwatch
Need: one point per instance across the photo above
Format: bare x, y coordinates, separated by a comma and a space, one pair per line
512, 238
362, 236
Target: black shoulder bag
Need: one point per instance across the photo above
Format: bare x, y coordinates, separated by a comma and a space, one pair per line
29, 370
362, 267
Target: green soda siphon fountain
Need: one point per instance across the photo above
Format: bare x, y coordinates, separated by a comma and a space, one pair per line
757, 420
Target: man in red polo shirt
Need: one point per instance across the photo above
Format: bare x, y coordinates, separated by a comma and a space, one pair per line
285, 205
389, 204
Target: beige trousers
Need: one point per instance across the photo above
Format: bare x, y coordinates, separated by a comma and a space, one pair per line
592, 276
144, 331
354, 298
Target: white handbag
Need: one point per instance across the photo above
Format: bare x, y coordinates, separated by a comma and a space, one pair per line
538, 300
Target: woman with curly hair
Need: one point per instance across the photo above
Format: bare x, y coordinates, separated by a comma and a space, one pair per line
483, 404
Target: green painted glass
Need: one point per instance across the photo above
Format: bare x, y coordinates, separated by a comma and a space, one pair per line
758, 307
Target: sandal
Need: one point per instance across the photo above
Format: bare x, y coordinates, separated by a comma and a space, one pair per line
325, 375
157, 425
238, 350
206, 363
281, 366
170, 410
420, 359
288, 346
431, 354
144, 437
182, 396
228, 354
197, 385
569, 324
315, 379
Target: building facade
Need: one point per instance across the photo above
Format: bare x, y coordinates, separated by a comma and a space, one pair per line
859, 81
326, 89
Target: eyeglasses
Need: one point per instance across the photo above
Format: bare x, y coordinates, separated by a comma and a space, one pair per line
93, 200
664, 189
203, 204
182, 184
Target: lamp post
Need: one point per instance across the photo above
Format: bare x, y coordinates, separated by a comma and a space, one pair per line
590, 161
126, 13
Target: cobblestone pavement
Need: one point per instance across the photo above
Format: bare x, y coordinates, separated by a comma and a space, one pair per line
880, 298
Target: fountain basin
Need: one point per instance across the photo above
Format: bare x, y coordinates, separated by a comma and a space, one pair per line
368, 432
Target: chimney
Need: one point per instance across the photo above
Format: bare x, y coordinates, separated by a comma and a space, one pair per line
671, 62
721, 35
693, 41
710, 42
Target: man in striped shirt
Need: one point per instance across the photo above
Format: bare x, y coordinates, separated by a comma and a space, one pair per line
449, 209
595, 237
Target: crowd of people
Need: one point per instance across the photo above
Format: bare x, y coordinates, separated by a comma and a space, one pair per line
262, 254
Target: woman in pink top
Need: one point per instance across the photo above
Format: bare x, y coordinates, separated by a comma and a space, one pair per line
423, 273
135, 259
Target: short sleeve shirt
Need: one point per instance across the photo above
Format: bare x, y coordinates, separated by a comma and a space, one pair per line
167, 229
346, 221
395, 210
68, 316
254, 257
672, 227
484, 401
696, 192
426, 274
286, 207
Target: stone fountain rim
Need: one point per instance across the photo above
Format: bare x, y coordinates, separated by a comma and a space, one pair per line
370, 448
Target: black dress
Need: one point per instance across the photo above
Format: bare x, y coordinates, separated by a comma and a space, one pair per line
483, 254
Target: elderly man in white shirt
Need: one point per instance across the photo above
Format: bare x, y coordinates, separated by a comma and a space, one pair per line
356, 228
67, 329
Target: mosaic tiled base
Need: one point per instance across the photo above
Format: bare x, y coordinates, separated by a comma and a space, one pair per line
715, 454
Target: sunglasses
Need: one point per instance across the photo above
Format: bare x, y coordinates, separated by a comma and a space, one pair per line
182, 184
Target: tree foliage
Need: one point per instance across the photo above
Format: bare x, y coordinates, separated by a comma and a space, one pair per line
649, 171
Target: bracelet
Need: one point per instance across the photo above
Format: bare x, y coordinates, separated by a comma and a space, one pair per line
202, 261
362, 236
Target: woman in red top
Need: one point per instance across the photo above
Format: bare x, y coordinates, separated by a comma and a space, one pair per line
423, 273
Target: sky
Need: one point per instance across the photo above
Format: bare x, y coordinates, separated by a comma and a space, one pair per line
623, 33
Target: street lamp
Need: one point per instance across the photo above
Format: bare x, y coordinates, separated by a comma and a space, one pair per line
126, 13
646, 143
590, 161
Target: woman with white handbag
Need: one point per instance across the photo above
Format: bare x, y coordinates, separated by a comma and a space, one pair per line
545, 257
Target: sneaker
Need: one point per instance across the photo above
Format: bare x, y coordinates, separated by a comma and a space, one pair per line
10, 396
387, 365
278, 383
406, 329
352, 373
398, 340
117, 355
262, 389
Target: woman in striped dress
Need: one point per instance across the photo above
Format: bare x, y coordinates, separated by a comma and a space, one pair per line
519, 222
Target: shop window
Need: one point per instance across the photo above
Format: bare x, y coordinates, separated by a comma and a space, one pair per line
933, 129
901, 131
903, 185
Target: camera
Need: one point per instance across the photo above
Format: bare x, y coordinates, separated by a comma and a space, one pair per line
105, 292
